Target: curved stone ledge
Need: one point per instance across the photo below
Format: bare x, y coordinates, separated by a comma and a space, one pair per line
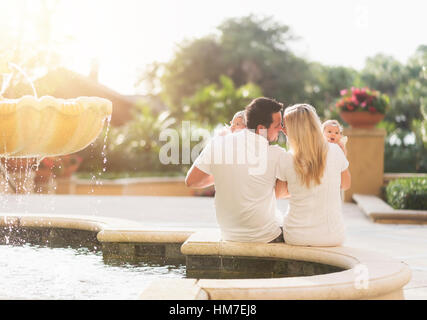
141, 235
368, 275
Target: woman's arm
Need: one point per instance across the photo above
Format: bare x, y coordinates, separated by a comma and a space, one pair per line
281, 189
345, 180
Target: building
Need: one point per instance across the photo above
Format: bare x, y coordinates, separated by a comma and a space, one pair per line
64, 83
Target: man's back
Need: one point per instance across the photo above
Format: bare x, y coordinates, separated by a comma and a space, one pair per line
244, 168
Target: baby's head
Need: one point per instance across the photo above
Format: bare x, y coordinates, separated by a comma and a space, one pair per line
332, 130
238, 122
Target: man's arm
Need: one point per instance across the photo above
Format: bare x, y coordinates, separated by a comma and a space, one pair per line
196, 178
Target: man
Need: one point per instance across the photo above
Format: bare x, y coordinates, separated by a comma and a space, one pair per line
243, 167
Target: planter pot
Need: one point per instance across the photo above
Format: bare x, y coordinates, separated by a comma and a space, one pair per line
364, 119
43, 175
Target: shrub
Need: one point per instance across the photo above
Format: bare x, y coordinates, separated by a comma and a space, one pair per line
408, 193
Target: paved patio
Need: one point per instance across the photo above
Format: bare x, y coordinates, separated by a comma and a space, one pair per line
403, 242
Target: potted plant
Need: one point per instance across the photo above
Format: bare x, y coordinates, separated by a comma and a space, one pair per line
44, 171
61, 167
362, 107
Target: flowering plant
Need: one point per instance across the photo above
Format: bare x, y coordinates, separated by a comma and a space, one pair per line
362, 99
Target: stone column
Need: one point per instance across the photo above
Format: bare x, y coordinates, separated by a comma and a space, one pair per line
365, 153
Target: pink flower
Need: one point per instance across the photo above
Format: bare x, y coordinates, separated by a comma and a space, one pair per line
343, 92
354, 100
363, 104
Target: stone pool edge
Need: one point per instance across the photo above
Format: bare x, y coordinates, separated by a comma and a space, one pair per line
368, 275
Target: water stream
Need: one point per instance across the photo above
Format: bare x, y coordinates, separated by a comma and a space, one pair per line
18, 180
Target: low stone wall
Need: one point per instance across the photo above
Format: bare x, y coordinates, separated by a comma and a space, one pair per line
379, 211
162, 186
153, 186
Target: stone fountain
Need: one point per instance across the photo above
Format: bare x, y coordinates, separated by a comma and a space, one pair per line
32, 127
47, 126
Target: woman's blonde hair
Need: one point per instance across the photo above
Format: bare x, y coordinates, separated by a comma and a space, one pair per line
309, 146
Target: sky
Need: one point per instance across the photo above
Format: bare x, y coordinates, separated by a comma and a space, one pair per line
126, 35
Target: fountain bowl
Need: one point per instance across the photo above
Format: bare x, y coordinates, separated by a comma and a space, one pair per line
48, 126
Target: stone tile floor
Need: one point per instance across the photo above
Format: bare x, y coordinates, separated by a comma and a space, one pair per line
403, 242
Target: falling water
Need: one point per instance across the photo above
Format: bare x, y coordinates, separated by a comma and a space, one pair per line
15, 181
5, 183
5, 82
26, 77
104, 148
96, 177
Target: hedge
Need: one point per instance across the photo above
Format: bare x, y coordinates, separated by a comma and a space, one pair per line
407, 193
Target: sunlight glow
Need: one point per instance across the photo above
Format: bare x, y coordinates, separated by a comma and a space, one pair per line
126, 35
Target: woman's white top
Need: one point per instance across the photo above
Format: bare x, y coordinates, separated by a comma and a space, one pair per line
314, 216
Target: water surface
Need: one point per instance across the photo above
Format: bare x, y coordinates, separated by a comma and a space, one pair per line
36, 272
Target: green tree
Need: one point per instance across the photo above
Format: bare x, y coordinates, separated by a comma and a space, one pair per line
196, 64
256, 51
247, 50
215, 103
408, 114
423, 125
132, 147
383, 73
324, 86
403, 83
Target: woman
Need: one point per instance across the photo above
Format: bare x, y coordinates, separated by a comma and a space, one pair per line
315, 171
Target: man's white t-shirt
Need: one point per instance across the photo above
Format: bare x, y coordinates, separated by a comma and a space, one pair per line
244, 168
314, 214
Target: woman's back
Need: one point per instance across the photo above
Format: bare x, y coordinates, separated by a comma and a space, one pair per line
314, 215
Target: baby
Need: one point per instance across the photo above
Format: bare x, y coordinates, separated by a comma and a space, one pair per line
332, 130
237, 123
